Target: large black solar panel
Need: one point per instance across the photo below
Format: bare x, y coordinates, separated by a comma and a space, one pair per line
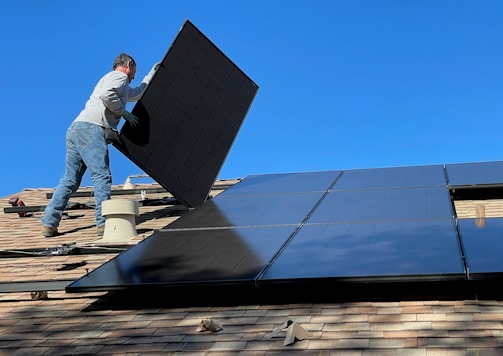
190, 115
284, 183
357, 206
395, 177
216, 256
475, 174
382, 249
483, 244
264, 210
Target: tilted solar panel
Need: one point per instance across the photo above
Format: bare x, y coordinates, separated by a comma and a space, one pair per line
189, 117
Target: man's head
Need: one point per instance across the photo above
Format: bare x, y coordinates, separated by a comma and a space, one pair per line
126, 64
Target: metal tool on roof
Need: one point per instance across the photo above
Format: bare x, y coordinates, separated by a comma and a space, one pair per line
26, 211
15, 201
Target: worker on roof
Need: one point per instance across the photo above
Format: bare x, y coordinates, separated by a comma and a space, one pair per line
88, 136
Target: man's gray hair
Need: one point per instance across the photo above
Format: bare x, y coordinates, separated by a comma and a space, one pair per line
123, 60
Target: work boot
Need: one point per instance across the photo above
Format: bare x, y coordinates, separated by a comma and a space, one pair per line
100, 230
49, 231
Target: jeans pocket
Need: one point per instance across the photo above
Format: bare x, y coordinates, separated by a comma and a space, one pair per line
87, 135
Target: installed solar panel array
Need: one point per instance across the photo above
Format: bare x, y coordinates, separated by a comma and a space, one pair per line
355, 225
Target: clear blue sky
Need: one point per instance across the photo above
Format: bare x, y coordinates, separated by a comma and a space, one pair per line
344, 84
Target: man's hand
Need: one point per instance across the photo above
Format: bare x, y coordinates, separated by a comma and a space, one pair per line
150, 74
133, 120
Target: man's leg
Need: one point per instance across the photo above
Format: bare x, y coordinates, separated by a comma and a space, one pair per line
69, 183
97, 160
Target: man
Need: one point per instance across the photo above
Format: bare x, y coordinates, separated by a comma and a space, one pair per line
86, 143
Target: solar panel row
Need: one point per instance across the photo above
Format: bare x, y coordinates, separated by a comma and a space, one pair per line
366, 224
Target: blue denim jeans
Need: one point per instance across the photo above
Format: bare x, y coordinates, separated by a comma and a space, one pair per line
86, 148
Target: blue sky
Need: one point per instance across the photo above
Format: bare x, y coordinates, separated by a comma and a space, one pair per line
344, 84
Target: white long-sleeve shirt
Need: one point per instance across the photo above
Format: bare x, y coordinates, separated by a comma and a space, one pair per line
109, 98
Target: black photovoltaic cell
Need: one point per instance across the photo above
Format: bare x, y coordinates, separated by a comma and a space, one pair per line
189, 117
474, 174
370, 250
395, 177
483, 244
